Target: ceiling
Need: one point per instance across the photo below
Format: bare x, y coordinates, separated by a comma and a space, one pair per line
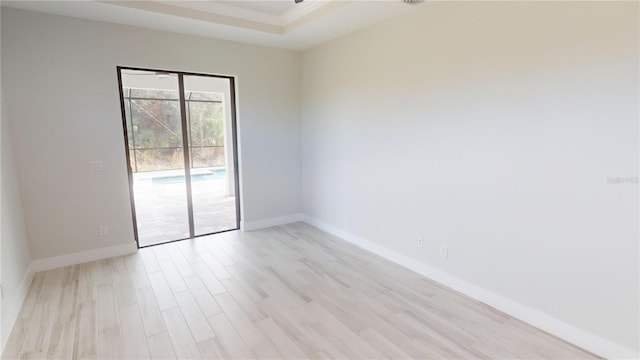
278, 23
269, 7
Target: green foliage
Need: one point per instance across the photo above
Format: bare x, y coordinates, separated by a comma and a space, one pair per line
154, 128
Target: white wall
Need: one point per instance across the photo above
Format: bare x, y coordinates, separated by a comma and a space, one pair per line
61, 73
492, 128
15, 243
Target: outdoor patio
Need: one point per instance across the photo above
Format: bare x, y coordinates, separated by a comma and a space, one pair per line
161, 205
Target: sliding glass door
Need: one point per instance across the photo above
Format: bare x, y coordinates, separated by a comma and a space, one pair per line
210, 134
181, 151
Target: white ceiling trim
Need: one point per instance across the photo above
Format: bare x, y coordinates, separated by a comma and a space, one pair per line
189, 13
312, 22
306, 8
228, 10
308, 14
218, 13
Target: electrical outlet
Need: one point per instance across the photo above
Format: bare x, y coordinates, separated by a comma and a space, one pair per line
420, 242
96, 165
104, 230
444, 251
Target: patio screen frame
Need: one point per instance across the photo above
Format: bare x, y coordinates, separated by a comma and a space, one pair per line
187, 155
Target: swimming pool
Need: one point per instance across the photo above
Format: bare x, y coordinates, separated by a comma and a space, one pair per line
213, 174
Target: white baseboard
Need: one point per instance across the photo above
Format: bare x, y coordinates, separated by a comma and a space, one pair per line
539, 319
14, 304
265, 223
55, 262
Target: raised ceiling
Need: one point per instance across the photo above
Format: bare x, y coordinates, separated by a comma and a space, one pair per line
279, 23
269, 7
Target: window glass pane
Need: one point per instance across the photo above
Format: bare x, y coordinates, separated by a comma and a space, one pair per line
127, 113
207, 126
207, 156
156, 124
154, 94
208, 96
212, 178
155, 136
158, 159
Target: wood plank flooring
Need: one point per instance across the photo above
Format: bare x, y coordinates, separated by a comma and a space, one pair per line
290, 291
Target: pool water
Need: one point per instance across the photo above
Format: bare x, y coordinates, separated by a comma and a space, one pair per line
209, 175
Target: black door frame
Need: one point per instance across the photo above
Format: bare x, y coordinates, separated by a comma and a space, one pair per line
187, 163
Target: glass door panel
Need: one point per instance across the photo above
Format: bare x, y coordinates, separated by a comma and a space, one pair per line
156, 155
212, 159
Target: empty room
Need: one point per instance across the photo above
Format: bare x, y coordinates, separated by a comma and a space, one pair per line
320, 179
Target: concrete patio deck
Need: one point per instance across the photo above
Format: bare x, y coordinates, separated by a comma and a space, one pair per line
161, 205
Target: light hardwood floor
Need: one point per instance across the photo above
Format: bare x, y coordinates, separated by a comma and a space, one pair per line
285, 292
